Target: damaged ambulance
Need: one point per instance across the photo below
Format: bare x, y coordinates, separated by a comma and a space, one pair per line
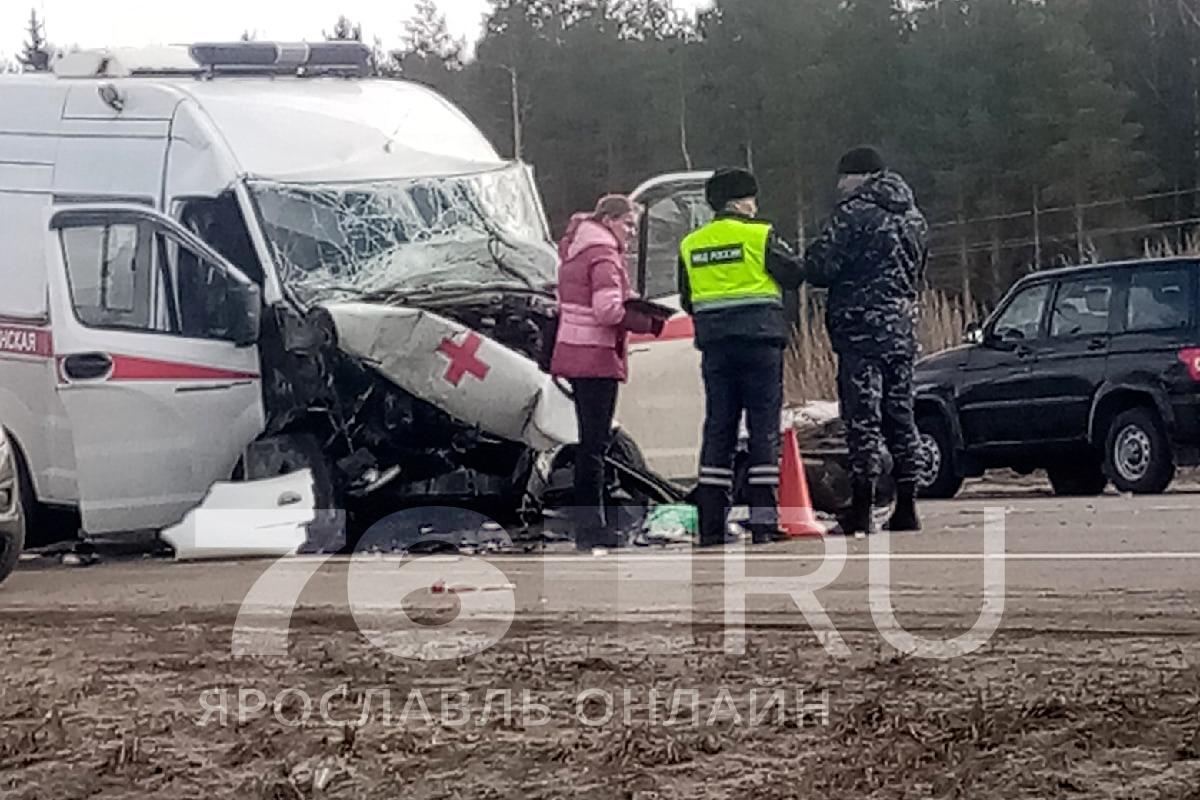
237, 261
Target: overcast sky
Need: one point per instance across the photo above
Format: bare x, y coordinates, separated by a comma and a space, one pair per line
95, 23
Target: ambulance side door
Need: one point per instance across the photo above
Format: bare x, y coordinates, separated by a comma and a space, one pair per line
662, 406
157, 365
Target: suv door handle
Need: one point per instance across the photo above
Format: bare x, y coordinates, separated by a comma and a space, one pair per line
87, 366
1097, 344
1023, 352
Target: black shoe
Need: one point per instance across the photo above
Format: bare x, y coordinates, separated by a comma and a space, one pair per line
905, 519
587, 539
769, 536
858, 518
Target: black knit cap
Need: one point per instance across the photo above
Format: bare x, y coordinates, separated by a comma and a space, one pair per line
861, 161
729, 184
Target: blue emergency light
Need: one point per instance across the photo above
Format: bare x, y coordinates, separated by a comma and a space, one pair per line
283, 58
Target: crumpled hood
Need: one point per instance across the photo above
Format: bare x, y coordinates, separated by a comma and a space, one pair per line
889, 191
471, 377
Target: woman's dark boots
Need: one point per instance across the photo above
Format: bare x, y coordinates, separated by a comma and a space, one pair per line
904, 519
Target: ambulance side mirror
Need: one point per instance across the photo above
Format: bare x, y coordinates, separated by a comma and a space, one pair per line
246, 326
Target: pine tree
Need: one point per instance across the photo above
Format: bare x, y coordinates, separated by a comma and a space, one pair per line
37, 52
427, 36
344, 31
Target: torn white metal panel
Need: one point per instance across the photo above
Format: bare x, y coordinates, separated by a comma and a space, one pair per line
265, 518
471, 377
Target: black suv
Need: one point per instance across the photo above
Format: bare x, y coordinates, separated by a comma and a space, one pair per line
1091, 373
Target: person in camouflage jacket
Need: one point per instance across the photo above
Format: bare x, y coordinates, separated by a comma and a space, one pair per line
871, 257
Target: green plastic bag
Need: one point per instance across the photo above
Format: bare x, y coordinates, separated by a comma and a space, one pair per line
671, 525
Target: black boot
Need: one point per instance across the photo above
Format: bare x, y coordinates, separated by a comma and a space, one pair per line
712, 505
858, 518
589, 537
767, 535
905, 519
584, 539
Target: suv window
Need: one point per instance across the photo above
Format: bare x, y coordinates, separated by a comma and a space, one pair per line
1022, 319
1081, 307
1158, 300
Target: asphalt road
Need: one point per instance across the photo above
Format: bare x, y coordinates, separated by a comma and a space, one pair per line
1113, 562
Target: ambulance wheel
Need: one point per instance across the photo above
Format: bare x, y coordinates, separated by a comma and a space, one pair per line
292, 453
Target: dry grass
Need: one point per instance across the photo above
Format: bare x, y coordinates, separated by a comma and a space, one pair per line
1165, 248
811, 369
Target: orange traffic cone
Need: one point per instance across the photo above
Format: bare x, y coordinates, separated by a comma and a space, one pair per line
796, 517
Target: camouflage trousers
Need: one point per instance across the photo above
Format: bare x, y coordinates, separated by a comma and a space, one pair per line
876, 394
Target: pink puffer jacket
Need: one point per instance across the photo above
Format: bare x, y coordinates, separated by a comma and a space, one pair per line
593, 285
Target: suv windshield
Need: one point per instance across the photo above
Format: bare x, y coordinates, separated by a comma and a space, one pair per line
407, 236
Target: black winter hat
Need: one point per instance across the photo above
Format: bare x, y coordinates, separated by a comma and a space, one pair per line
729, 184
861, 161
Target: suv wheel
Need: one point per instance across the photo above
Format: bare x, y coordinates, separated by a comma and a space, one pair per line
1086, 479
939, 480
1138, 456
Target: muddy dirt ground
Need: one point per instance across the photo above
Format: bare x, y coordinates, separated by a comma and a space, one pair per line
1089, 689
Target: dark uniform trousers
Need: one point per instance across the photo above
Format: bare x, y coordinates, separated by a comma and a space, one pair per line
876, 395
740, 376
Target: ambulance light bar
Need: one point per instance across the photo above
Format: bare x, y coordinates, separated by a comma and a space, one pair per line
272, 57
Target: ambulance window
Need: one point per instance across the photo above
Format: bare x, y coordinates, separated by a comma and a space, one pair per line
219, 222
201, 291
110, 269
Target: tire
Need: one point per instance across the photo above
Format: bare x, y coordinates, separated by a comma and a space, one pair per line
1086, 479
13, 536
290, 453
941, 480
1137, 454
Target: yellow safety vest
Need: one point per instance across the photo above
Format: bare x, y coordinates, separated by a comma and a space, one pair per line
726, 264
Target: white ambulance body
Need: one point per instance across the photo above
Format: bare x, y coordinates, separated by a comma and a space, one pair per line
130, 370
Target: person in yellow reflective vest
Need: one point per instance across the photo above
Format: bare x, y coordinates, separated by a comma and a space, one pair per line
732, 276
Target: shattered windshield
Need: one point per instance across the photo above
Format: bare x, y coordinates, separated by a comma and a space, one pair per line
337, 239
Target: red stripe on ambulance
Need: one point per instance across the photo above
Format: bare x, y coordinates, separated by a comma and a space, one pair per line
134, 368
23, 340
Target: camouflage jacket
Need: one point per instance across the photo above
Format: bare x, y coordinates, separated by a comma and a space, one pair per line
871, 256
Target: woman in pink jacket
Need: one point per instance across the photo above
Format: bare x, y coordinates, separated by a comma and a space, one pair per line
593, 286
